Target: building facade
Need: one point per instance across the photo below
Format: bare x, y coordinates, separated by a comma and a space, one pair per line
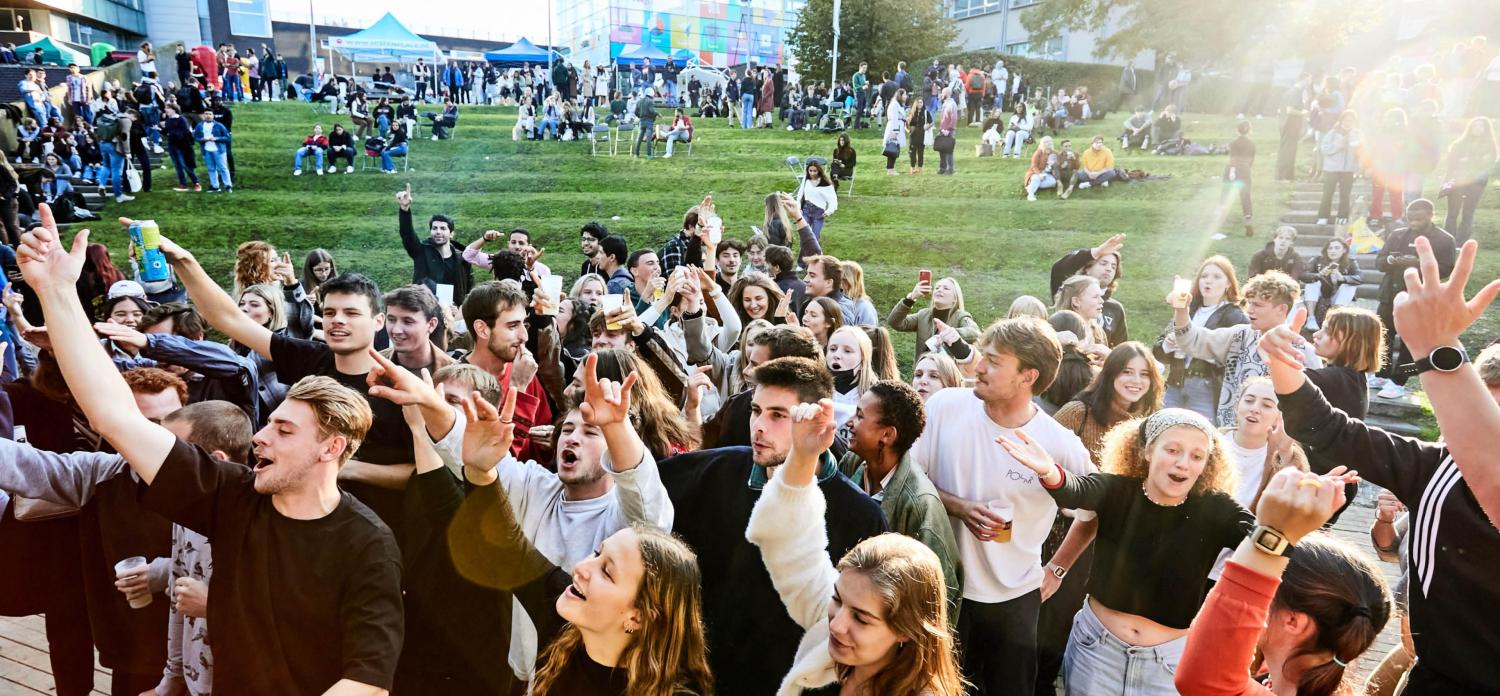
82, 23
996, 24
721, 33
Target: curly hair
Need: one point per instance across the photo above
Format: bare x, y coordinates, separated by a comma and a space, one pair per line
252, 265
154, 380
1126, 453
1274, 287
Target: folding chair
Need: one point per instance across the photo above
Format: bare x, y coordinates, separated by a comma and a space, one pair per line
593, 137
371, 160
614, 145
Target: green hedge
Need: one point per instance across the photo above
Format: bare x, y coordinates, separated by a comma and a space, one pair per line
1209, 94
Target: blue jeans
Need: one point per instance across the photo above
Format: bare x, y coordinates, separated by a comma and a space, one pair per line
386, 163
547, 124
302, 152
217, 164
1097, 663
38, 111
384, 124
114, 167
153, 121
747, 110
183, 163
675, 137
1196, 394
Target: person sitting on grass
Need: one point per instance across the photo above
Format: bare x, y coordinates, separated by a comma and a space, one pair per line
315, 144
1096, 165
1278, 255
1330, 280
1137, 131
1067, 168
1043, 171
1167, 129
1017, 131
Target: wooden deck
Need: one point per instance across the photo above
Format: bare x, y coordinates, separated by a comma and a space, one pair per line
25, 670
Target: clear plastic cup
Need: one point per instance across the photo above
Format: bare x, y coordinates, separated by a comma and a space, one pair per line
609, 304
1181, 287
552, 288
141, 601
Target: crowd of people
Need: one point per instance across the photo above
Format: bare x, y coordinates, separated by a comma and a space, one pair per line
696, 467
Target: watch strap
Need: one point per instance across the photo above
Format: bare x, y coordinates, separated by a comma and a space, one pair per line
1425, 364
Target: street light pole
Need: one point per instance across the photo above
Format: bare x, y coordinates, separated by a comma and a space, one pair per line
312, 43
838, 7
549, 42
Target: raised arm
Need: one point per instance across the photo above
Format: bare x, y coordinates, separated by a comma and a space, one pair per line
216, 306
408, 233
98, 389
1430, 314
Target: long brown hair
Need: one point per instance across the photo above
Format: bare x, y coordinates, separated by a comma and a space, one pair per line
667, 655
252, 265
1361, 338
1099, 395
1231, 289
655, 415
774, 296
909, 579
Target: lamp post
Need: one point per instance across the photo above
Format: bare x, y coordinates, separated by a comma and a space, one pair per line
312, 43
838, 7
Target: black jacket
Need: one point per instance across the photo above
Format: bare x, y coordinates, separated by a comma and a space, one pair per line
428, 264
1267, 260
1399, 244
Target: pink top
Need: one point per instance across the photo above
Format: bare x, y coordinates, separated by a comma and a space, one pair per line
949, 119
1221, 642
479, 259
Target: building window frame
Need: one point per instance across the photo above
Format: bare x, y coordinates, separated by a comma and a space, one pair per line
1055, 49
974, 8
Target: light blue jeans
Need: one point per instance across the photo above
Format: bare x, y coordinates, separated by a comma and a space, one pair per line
217, 164
1039, 181
1097, 663
747, 110
386, 162
675, 137
114, 167
302, 152
1196, 394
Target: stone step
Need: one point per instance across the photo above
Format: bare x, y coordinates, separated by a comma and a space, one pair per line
1395, 425
1360, 186
1405, 408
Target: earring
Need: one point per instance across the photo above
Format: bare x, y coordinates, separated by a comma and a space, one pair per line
629, 631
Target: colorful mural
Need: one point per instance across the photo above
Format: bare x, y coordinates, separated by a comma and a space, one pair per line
718, 32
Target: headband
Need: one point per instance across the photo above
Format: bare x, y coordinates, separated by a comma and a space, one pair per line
1167, 418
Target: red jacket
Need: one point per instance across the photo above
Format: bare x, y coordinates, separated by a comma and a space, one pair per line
1221, 642
687, 124
318, 140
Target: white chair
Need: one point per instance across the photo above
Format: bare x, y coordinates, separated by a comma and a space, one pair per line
620, 134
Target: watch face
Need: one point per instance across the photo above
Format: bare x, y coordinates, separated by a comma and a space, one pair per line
1269, 540
1446, 358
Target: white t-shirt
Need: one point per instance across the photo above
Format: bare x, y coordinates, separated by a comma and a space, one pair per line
959, 453
1250, 465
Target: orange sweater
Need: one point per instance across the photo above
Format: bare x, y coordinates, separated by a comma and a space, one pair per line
1221, 642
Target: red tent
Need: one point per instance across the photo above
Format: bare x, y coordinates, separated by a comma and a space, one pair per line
208, 62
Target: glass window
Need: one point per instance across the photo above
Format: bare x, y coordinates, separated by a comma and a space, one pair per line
1023, 3
249, 18
969, 8
1051, 49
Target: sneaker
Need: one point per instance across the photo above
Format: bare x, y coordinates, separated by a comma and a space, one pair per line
320, 172
333, 168
216, 190
1030, 196
123, 198
1322, 221
157, 149
1375, 381
229, 190
1105, 184
1084, 185
788, 127
1391, 390
667, 156
197, 187
181, 188
296, 172
434, 138
348, 169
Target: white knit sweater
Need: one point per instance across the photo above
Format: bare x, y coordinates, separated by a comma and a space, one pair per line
788, 526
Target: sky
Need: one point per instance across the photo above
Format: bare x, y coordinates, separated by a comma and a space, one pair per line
501, 20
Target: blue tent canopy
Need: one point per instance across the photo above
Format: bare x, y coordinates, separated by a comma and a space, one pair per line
642, 53
522, 51
386, 41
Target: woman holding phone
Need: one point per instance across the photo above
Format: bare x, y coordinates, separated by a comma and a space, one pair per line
817, 198
947, 307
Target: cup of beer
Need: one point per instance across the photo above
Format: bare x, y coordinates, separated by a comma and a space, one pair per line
142, 600
610, 304
1006, 512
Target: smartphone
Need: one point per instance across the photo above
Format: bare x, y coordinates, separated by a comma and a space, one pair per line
924, 277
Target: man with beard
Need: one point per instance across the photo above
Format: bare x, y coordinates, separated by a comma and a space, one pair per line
307, 595
751, 638
606, 480
437, 260
495, 313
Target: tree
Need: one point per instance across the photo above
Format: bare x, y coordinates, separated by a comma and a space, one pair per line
880, 32
1204, 32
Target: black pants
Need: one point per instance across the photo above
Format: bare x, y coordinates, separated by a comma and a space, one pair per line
1395, 349
918, 149
1344, 182
123, 683
890, 160
421, 89
999, 645
1462, 200
1286, 151
945, 162
1241, 176
346, 154
975, 101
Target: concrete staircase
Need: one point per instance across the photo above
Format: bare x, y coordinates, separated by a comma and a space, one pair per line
1401, 416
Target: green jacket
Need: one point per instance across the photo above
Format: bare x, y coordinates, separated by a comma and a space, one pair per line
911, 504
901, 318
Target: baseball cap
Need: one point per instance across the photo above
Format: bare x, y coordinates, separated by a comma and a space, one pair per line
128, 288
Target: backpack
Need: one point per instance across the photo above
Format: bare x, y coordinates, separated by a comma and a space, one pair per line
976, 81
106, 126
144, 95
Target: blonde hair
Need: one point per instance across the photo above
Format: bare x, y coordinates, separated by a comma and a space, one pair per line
470, 376
947, 368
1361, 338
1274, 462
577, 291
1126, 453
1274, 287
340, 411
1027, 306
853, 281
1488, 364
271, 295
667, 655
866, 374
742, 356
958, 293
909, 579
1070, 290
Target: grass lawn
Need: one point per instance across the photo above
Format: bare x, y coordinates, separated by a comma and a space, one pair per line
976, 226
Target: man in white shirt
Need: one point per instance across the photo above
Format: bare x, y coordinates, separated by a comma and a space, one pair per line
999, 510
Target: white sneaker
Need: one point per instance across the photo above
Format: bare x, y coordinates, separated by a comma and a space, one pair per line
157, 149
1322, 221
1084, 185
296, 172
1104, 184
1030, 196
667, 156
123, 198
320, 172
434, 138
1391, 390
1376, 381
348, 169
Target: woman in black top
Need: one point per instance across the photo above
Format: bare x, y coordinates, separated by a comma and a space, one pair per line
916, 133
1165, 513
841, 167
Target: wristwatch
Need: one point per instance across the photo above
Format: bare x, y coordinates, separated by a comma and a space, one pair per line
1056, 570
1442, 359
1270, 541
